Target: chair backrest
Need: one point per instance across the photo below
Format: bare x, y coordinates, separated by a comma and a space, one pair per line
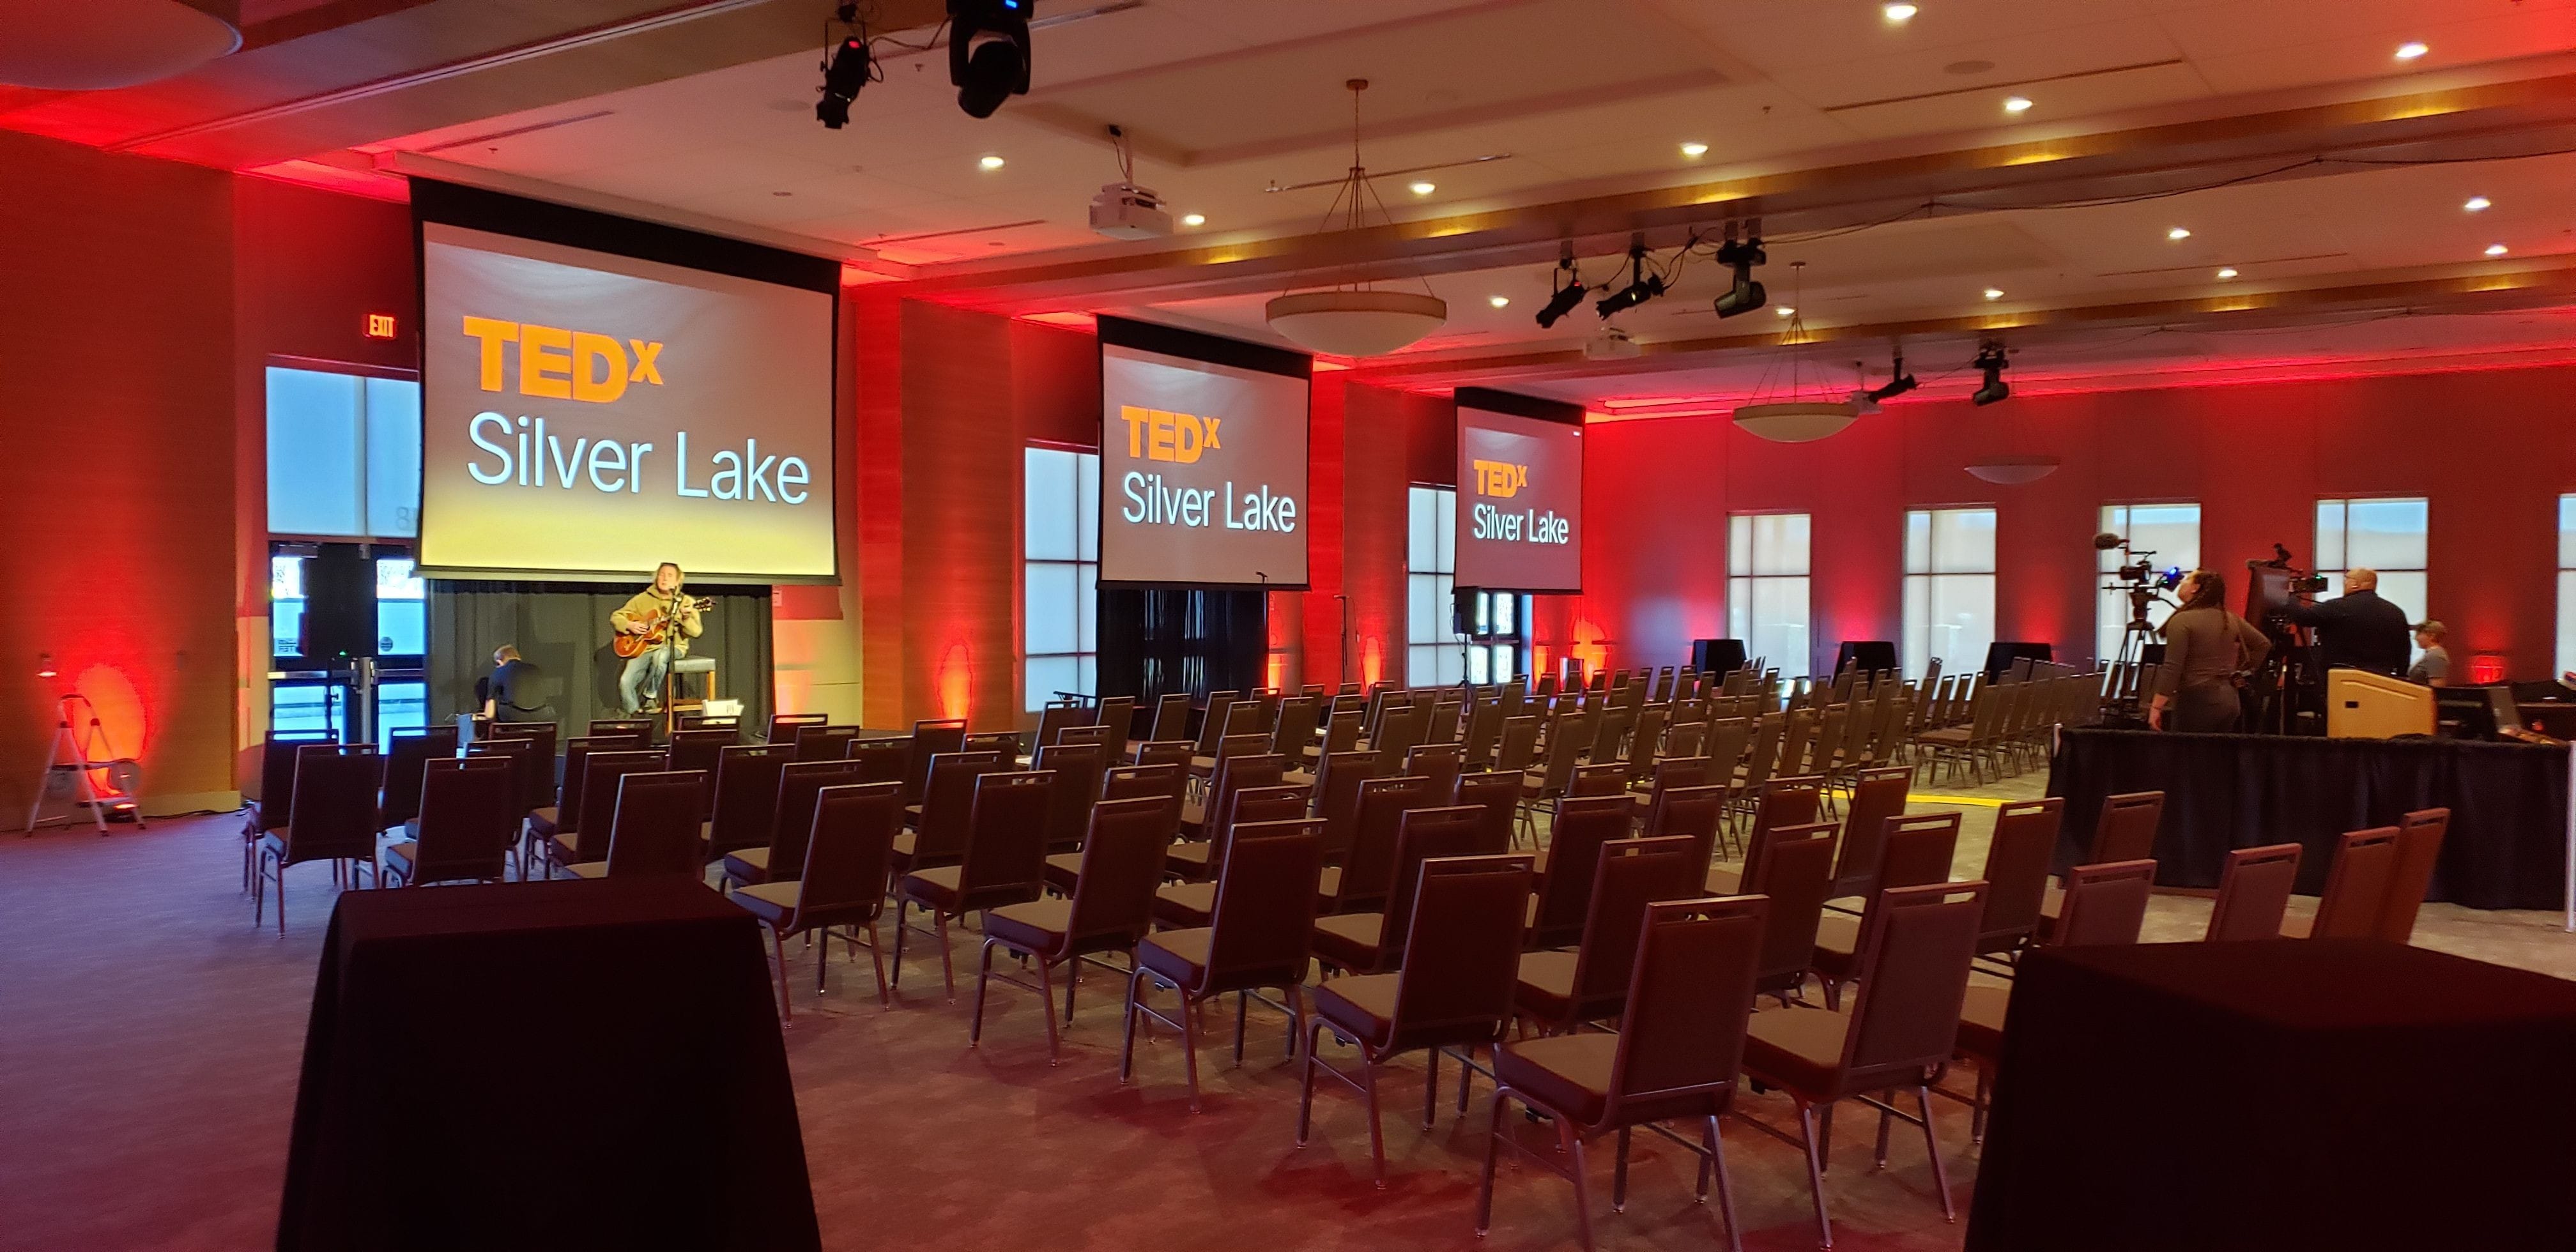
1171, 718
1633, 873
403, 757
2357, 885
1117, 717
946, 824
1122, 864
1913, 979
1879, 795
1793, 866
1498, 794
746, 795
1127, 782
1342, 732
1608, 734
524, 765
1607, 779
1461, 964
1684, 738
1251, 805
1919, 849
277, 772
1006, 842
2254, 893
1212, 726
701, 750
536, 780
1296, 729
1566, 741
1762, 751
1095, 734
931, 738
1428, 834
1263, 925
1172, 752
1006, 742
601, 774
466, 822
2017, 860
2127, 829
1694, 814
824, 743
882, 760
1078, 769
783, 726
1399, 730
1573, 855
792, 818
1055, 717
1368, 869
576, 761
1518, 745
334, 812
847, 850
1690, 994
653, 825
1788, 801
2104, 904
1645, 739
2419, 846
1484, 729
1439, 762
1337, 799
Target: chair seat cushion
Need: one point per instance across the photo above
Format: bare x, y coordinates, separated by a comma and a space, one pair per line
1180, 956
937, 887
1202, 766
1362, 1006
1545, 986
1350, 941
747, 865
1193, 818
1726, 880
2051, 900
543, 821
402, 853
588, 869
1184, 906
1837, 938
771, 902
1567, 1073
1797, 1048
567, 847
1188, 860
2297, 927
1064, 871
1037, 926
1981, 1022
1950, 737
1328, 886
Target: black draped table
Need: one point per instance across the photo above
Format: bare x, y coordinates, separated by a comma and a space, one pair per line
2506, 847
2280, 1094
554, 1065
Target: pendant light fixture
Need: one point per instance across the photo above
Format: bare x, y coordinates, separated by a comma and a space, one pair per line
1359, 319
1794, 417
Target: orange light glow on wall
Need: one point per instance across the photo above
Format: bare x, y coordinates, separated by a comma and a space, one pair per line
956, 681
121, 717
1590, 646
1372, 662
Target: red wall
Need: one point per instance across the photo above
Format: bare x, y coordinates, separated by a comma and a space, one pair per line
2484, 447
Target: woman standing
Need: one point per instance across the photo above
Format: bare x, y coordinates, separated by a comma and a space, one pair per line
2207, 649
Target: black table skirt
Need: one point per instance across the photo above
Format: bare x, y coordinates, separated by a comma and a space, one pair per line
2279, 1095
554, 1065
2506, 847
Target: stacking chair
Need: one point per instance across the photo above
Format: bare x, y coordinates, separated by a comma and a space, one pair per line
1556, 990
1793, 867
1439, 762
2105, 904
564, 815
1111, 910
1917, 852
2017, 857
842, 882
931, 739
1877, 795
1005, 742
1903, 1025
1124, 782
1517, 746
1372, 942
1674, 1058
276, 788
1174, 752
1484, 731
1215, 724
1548, 783
882, 760
1189, 901
940, 831
404, 755
1259, 938
791, 819
1670, 772
1171, 721
1367, 871
824, 743
1094, 734
2126, 831
701, 750
588, 841
333, 818
1294, 736
1453, 995
746, 796
2356, 893
1341, 734
1055, 717
464, 828
1201, 823
1003, 862
524, 762
783, 727
2253, 893
1608, 779
1645, 741
652, 827
1498, 794
1790, 801
536, 778
1337, 798
1117, 715
1694, 814
1078, 769
1573, 855
2419, 845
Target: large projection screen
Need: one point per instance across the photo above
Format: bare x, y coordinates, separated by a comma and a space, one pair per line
588, 414
1520, 493
1202, 460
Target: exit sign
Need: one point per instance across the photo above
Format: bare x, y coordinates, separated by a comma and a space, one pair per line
380, 326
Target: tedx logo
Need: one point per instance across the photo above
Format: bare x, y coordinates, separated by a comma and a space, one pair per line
556, 363
1156, 435
1501, 479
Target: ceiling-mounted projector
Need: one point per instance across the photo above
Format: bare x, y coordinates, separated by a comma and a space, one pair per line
1127, 211
1612, 344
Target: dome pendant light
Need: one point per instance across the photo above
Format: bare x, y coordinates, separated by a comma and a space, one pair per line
1793, 419
1357, 320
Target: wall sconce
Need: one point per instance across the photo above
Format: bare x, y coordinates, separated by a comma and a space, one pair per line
45, 665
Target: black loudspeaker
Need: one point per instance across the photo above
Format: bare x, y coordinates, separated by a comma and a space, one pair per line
1720, 656
1462, 610
339, 603
1874, 655
2002, 653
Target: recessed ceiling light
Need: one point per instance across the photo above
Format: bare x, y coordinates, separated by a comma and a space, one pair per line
1498, 301
1424, 189
1994, 293
991, 163
1194, 219
1694, 149
2495, 249
2016, 104
2178, 233
2476, 204
1896, 12
2227, 271
2412, 49
1783, 310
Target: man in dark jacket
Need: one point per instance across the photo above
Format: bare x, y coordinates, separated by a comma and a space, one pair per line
2358, 630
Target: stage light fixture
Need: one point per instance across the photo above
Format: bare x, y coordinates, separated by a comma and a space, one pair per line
1990, 361
1743, 295
1566, 297
988, 52
1641, 287
845, 71
1897, 385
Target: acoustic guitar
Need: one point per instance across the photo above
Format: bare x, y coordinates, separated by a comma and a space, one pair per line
630, 646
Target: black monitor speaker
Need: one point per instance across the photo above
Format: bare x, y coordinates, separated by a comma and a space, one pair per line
1873, 655
2001, 654
1718, 656
339, 603
1462, 610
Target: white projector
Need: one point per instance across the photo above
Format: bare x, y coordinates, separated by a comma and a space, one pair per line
1612, 344
1127, 211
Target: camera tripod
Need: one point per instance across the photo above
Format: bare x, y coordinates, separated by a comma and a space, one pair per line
2129, 660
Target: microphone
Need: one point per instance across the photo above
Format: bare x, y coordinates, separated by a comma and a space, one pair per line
2106, 541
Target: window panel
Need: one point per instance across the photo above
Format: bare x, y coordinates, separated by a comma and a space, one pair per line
1060, 573
1053, 623
1086, 601
2330, 534
1422, 529
1739, 542
316, 454
1949, 600
1086, 518
1050, 674
2566, 585
393, 458
1050, 509
2172, 533
400, 706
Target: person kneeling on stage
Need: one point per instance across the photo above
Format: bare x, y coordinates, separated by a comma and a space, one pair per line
2207, 651
644, 616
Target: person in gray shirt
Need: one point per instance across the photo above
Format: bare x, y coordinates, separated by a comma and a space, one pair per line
2433, 669
2207, 649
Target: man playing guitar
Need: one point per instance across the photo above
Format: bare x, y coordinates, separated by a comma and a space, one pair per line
646, 621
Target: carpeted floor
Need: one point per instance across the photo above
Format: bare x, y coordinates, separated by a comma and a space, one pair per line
149, 1040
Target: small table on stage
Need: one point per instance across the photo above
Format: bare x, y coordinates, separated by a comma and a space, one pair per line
2279, 1094
554, 1065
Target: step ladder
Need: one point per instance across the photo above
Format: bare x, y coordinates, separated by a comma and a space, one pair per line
72, 766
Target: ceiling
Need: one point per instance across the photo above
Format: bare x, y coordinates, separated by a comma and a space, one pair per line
1894, 187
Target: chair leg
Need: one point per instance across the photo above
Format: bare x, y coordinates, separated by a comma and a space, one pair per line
1377, 1132
1572, 1145
1619, 1175
947, 963
1431, 1089
1977, 1110
983, 979
1725, 1189
1493, 1148
1466, 1072
1296, 999
1046, 1000
1825, 1136
1306, 1084
900, 906
786, 1002
280, 863
1885, 1120
1190, 1045
876, 957
1242, 1004
1807, 1132
1073, 975
1127, 1045
1932, 1144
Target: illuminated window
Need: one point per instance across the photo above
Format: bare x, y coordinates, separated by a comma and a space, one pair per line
2172, 533
1766, 588
1436, 653
2387, 535
2566, 584
343, 455
1949, 589
1060, 575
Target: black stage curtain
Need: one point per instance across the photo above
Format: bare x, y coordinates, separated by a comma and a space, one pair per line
1157, 641
2506, 847
562, 629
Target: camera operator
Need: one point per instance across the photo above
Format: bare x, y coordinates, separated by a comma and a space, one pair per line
2358, 630
2207, 650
